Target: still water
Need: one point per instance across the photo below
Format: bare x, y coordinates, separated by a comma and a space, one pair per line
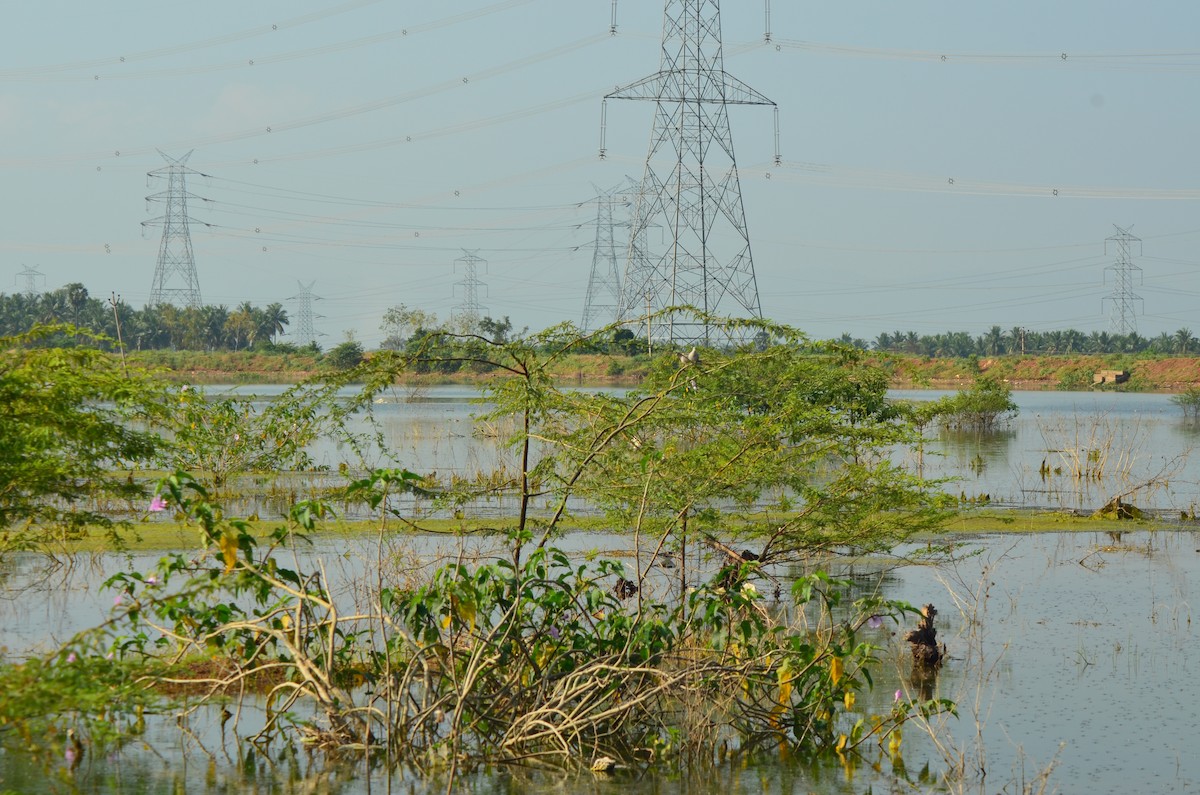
1072, 656
1063, 450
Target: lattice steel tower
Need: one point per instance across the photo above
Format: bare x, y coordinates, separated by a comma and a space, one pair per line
690, 186
1122, 314
175, 279
304, 333
31, 277
602, 302
469, 312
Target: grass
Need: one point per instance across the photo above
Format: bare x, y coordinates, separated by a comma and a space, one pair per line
165, 535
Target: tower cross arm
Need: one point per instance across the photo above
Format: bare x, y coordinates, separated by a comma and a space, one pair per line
674, 86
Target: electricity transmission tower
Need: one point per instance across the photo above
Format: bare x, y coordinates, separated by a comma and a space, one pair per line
690, 185
1122, 314
175, 279
31, 277
469, 312
603, 299
304, 333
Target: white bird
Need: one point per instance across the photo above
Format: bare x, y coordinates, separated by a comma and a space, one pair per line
691, 357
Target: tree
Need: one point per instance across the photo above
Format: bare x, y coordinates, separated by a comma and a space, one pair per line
1184, 341
345, 356
683, 453
625, 341
242, 326
271, 322
496, 330
994, 342
401, 323
215, 319
72, 426
983, 407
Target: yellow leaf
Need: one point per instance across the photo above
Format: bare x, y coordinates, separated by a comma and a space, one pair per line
894, 744
849, 699
841, 743
836, 669
229, 550
465, 610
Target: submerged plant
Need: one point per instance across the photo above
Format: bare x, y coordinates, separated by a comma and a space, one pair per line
531, 656
537, 660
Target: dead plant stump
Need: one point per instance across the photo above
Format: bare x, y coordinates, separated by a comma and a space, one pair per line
927, 656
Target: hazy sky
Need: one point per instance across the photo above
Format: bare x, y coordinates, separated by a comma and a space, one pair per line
946, 165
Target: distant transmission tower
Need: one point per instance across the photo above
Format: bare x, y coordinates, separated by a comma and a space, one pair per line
1122, 314
469, 312
603, 300
304, 333
175, 280
31, 277
691, 186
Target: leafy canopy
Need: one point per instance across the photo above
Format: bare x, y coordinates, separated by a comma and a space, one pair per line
71, 429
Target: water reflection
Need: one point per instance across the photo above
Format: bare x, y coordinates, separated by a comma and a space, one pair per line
1064, 450
1071, 450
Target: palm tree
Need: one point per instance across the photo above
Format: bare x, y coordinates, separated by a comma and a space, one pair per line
993, 341
242, 326
1184, 341
215, 318
1073, 341
1163, 343
272, 321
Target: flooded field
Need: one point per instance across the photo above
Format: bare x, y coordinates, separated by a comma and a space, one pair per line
1071, 656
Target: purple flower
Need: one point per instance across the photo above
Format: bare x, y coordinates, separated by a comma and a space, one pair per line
118, 599
151, 579
71, 657
70, 755
554, 633
875, 622
158, 503
897, 698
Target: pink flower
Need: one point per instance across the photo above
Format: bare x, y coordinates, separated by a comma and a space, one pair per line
118, 599
875, 622
897, 695
71, 657
158, 503
151, 580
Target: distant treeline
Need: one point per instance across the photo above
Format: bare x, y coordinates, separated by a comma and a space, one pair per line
1026, 342
245, 327
161, 327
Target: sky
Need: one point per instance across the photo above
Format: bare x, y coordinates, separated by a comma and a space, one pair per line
944, 166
